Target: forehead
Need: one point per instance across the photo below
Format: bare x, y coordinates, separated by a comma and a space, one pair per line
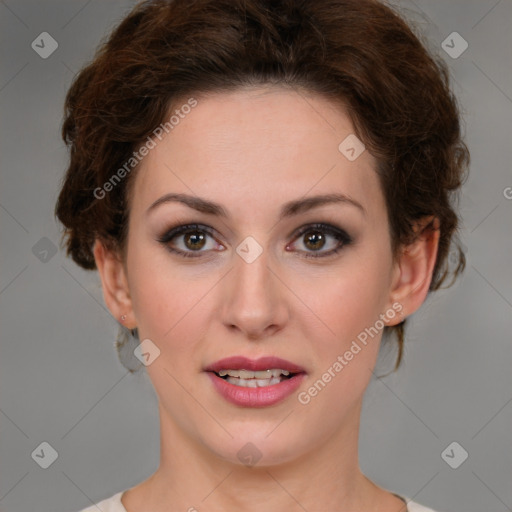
252, 147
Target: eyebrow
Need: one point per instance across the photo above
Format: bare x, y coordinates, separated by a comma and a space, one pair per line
288, 210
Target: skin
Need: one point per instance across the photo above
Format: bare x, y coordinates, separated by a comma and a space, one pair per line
251, 151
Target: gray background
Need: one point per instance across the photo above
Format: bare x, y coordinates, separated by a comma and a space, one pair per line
60, 379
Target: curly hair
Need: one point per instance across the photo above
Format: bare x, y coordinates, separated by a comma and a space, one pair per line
357, 52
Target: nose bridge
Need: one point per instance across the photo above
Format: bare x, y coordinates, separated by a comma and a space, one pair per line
256, 302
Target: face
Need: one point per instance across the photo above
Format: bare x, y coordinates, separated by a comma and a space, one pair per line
288, 256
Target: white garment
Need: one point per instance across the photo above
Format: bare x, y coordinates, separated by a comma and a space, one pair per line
113, 504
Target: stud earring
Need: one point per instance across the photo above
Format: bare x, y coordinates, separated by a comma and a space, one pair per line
123, 318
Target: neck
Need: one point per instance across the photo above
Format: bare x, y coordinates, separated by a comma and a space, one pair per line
192, 477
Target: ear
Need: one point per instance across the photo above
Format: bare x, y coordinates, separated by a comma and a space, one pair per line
412, 274
114, 283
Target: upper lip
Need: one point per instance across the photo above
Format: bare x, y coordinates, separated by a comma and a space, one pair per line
263, 363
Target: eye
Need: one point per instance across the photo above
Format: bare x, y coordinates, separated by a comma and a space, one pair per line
321, 240
190, 239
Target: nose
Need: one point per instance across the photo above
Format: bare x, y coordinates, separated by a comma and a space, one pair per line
255, 299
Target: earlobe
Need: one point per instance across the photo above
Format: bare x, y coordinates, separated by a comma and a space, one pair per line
114, 284
413, 271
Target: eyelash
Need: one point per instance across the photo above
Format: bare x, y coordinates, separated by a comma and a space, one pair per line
337, 233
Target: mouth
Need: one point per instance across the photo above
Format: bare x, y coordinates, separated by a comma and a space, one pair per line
251, 379
255, 383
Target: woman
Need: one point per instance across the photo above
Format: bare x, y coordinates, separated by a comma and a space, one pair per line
265, 189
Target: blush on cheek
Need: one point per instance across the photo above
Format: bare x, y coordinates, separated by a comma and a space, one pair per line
355, 319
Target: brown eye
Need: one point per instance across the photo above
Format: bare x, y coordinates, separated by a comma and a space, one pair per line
319, 240
194, 240
314, 240
190, 240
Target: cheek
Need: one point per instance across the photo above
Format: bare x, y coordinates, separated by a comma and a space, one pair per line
171, 305
345, 356
352, 298
349, 303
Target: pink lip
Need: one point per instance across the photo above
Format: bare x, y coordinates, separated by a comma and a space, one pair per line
263, 363
255, 397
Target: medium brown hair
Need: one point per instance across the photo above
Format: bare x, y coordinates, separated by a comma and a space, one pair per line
357, 52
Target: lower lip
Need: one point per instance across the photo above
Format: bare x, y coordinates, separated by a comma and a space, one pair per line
256, 397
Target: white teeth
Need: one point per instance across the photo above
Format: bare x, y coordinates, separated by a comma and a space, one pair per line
253, 383
248, 374
264, 374
250, 379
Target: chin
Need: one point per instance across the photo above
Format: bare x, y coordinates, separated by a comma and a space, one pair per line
252, 446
